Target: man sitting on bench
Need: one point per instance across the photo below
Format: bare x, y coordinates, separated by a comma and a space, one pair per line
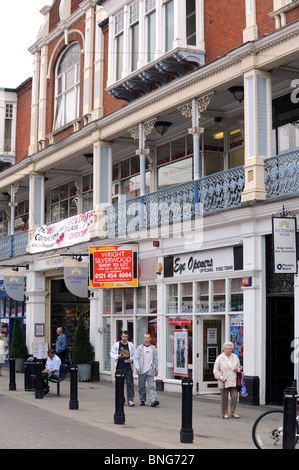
51, 370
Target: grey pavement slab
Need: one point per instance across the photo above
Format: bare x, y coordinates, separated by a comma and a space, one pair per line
92, 425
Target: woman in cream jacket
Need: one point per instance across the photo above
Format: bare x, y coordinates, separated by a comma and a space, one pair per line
225, 371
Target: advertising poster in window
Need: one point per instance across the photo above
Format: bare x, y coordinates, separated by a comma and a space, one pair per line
113, 266
180, 352
237, 335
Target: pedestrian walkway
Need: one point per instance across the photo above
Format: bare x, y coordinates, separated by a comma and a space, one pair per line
27, 422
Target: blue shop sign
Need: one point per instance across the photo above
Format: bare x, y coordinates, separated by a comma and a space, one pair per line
3, 292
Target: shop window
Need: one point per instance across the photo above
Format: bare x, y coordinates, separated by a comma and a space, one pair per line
218, 296
118, 301
107, 343
146, 324
202, 296
172, 298
107, 302
141, 300
153, 299
129, 301
237, 335
187, 298
236, 295
179, 347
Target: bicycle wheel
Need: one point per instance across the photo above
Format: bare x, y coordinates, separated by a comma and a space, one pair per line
267, 430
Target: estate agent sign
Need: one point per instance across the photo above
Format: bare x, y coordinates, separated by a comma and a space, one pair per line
284, 245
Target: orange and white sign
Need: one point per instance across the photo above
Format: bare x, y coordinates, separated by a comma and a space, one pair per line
114, 266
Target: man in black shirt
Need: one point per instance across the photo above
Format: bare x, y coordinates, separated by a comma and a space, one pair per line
123, 352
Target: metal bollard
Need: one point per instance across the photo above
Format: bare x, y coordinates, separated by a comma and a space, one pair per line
73, 403
39, 393
119, 415
289, 418
12, 373
186, 433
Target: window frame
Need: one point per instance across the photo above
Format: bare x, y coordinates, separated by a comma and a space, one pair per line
61, 95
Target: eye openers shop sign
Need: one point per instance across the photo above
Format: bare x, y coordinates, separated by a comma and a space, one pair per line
284, 245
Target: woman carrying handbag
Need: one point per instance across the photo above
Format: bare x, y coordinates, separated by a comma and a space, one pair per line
225, 371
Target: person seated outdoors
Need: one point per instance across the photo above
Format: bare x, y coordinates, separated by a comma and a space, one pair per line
51, 369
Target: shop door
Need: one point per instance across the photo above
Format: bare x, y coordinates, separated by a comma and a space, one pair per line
280, 333
209, 346
122, 324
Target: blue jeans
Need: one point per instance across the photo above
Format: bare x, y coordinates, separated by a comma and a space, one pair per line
149, 378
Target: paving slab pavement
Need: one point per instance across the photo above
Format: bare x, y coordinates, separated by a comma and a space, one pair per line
144, 427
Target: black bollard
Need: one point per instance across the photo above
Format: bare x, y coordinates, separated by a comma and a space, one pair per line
289, 418
119, 415
12, 373
39, 393
186, 433
73, 403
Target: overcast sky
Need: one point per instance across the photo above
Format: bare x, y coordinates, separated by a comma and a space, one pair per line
20, 21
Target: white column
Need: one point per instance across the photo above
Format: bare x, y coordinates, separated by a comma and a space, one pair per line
250, 33
258, 132
255, 311
180, 34
96, 322
36, 202
88, 61
102, 185
98, 108
33, 148
295, 353
35, 306
42, 105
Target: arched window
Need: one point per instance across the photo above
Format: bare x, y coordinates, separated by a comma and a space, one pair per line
67, 86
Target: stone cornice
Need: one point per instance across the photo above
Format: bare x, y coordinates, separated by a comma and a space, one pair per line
285, 9
67, 24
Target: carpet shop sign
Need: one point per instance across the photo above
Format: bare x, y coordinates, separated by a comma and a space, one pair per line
64, 233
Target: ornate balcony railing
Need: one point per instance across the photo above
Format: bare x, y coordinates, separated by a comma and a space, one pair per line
13, 245
282, 175
176, 203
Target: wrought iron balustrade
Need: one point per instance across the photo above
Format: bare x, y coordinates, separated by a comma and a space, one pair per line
13, 245
177, 203
282, 175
